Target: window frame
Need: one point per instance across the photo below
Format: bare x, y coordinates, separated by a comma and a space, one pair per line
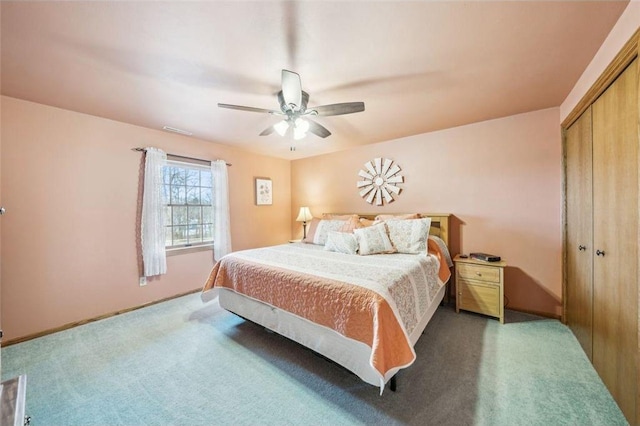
177, 161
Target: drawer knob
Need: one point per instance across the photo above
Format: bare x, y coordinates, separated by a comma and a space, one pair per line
581, 247
600, 253
478, 274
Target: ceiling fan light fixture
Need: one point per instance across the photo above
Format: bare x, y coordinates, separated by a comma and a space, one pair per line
300, 128
298, 133
302, 125
281, 127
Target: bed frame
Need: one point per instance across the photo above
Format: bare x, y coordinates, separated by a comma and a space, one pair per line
341, 350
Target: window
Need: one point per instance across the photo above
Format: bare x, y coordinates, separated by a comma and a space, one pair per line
188, 211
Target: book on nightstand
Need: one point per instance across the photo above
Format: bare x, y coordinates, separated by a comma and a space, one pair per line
485, 256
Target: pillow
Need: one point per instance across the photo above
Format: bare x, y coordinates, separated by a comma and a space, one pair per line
367, 222
352, 223
398, 216
409, 235
341, 242
319, 229
373, 240
311, 231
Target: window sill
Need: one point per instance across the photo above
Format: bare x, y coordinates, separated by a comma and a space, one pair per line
185, 250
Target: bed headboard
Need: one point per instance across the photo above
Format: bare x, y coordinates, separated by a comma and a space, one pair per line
439, 223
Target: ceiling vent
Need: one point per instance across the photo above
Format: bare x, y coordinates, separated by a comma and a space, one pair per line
174, 130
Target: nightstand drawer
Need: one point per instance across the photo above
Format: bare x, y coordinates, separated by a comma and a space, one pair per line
478, 272
479, 297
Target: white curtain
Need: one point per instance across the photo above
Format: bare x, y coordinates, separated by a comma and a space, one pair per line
220, 204
153, 240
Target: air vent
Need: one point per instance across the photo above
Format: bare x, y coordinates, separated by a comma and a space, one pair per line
174, 130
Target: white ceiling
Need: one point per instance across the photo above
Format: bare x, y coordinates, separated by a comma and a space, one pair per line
417, 66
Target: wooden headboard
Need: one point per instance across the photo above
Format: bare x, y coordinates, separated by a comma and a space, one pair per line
439, 223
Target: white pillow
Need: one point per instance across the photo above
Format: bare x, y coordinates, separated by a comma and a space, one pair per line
373, 239
409, 235
323, 229
341, 242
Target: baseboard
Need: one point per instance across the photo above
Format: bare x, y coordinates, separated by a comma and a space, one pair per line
90, 320
538, 313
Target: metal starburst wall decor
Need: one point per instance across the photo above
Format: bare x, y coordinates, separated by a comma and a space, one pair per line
380, 181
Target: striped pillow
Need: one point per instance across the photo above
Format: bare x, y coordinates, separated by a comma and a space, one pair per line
319, 228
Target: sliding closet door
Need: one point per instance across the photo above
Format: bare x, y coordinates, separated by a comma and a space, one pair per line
579, 220
615, 198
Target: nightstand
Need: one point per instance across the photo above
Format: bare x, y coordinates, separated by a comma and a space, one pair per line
480, 287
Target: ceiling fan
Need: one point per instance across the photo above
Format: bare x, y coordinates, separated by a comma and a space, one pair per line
293, 108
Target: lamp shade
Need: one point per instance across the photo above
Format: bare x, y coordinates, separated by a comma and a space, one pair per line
304, 215
281, 127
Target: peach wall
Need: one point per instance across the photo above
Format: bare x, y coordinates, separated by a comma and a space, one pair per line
501, 179
70, 182
626, 26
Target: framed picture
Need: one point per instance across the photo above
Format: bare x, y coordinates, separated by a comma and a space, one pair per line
264, 192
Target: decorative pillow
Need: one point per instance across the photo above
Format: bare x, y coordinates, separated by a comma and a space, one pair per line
341, 242
311, 230
367, 222
386, 217
352, 223
319, 230
373, 240
409, 235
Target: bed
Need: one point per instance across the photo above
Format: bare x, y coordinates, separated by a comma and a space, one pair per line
365, 313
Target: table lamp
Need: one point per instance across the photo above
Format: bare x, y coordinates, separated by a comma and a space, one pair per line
304, 216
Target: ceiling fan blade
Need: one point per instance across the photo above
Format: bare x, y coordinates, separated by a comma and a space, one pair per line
267, 131
338, 109
318, 129
292, 89
250, 109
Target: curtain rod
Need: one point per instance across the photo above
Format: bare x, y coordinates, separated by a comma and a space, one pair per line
178, 156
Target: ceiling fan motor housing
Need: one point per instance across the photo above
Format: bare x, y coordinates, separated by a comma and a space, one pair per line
285, 107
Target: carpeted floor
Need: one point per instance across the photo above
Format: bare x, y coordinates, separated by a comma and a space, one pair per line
187, 363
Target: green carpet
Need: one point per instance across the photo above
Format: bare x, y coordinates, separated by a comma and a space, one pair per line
185, 363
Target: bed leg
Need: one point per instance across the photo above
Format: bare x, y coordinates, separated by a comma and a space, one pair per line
392, 384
